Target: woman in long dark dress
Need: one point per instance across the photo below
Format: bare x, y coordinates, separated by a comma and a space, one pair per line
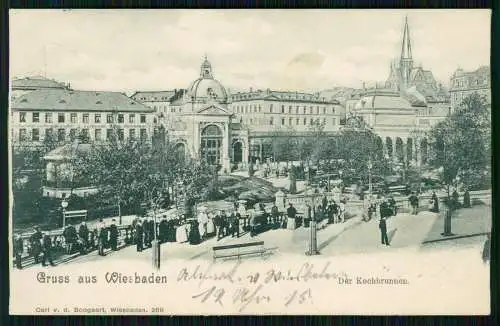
194, 234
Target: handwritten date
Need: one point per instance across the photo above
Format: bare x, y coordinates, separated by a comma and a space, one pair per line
243, 297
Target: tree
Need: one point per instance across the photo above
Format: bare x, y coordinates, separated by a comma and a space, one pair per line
461, 144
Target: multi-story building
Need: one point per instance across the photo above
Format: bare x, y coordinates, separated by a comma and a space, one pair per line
261, 111
159, 101
464, 83
63, 115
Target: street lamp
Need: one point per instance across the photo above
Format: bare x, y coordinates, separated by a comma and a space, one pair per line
64, 205
313, 235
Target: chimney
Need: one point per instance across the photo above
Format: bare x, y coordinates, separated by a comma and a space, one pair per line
251, 89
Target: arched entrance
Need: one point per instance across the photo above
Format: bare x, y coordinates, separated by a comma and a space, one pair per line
211, 144
237, 152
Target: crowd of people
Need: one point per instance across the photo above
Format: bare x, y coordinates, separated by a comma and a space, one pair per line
196, 229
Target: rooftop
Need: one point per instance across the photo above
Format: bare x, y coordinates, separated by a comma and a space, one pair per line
70, 100
269, 94
36, 82
153, 96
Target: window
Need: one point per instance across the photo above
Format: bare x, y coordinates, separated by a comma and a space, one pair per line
334, 121
282, 109
271, 121
144, 134
333, 110
35, 117
98, 134
305, 121
121, 119
251, 121
73, 118
271, 109
311, 122
120, 134
324, 110
290, 109
61, 134
143, 118
48, 117
304, 109
131, 118
35, 134
297, 121
260, 108
49, 133
22, 134
311, 110
324, 121
60, 118
85, 118
290, 121
282, 121
131, 134
317, 110
22, 116
297, 110
72, 134
109, 118
109, 134
97, 118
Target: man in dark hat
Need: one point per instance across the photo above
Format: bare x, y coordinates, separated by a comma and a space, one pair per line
36, 244
113, 235
47, 250
383, 231
139, 236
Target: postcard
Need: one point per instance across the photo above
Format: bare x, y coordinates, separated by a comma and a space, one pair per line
255, 162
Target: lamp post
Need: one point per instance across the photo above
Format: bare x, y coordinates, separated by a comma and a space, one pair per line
64, 205
313, 235
155, 244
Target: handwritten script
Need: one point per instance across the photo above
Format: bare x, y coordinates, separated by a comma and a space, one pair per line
249, 286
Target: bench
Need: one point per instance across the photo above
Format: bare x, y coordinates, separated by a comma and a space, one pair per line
256, 247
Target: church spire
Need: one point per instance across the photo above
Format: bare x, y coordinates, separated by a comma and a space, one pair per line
406, 44
406, 60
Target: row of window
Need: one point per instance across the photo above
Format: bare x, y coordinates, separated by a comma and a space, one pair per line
293, 121
303, 110
83, 134
61, 117
476, 82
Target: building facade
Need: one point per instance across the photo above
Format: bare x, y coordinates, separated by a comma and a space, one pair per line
62, 115
465, 83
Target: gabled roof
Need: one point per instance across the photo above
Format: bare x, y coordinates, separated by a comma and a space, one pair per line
214, 109
69, 100
36, 82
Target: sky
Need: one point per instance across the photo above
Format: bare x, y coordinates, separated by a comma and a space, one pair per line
310, 50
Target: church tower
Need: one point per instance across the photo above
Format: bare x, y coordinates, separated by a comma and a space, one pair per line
406, 60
